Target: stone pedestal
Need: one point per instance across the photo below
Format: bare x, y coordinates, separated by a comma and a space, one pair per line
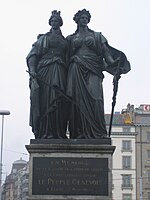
70, 169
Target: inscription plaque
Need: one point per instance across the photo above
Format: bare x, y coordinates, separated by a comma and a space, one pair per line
70, 176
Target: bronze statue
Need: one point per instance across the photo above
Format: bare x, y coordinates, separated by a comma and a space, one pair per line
90, 55
47, 69
67, 75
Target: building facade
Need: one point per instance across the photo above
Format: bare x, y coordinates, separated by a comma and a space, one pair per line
140, 117
124, 164
142, 126
21, 187
15, 186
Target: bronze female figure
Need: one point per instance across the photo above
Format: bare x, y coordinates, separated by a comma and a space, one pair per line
89, 56
47, 68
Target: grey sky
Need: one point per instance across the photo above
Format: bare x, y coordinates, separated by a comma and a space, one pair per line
125, 23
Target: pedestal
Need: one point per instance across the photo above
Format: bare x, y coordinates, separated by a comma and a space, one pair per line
70, 169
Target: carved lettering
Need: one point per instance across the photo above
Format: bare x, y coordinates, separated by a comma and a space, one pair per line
41, 181
67, 176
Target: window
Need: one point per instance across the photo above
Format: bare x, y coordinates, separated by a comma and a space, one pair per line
148, 136
112, 183
126, 162
148, 195
126, 181
126, 129
127, 196
126, 145
148, 176
148, 155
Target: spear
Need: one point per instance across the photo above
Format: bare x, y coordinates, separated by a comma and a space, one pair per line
115, 89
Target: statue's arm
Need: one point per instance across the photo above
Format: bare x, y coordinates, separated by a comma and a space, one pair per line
32, 62
115, 60
32, 65
35, 54
107, 55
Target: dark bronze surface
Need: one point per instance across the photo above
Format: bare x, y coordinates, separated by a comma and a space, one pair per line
66, 81
70, 176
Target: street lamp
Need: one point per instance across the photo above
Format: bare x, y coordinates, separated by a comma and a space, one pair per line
3, 113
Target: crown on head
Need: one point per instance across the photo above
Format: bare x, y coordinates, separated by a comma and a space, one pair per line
55, 12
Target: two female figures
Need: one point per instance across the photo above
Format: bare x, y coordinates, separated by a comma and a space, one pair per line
88, 55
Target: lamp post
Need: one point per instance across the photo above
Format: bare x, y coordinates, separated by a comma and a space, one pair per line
141, 157
3, 113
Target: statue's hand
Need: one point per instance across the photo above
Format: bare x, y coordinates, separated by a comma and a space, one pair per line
34, 84
116, 77
116, 62
32, 74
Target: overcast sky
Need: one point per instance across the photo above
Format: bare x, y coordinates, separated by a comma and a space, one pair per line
125, 24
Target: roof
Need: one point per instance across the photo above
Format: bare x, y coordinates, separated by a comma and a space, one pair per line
119, 119
20, 162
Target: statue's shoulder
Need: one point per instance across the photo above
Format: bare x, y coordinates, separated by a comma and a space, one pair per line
42, 39
100, 37
39, 35
43, 35
69, 37
98, 34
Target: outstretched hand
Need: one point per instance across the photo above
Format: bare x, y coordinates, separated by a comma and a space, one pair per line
116, 61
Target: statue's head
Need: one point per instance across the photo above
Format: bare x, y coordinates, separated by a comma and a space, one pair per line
56, 14
80, 13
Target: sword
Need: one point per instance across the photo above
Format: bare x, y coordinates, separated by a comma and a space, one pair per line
115, 90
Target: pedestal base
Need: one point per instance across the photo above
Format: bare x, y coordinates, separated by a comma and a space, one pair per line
70, 169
